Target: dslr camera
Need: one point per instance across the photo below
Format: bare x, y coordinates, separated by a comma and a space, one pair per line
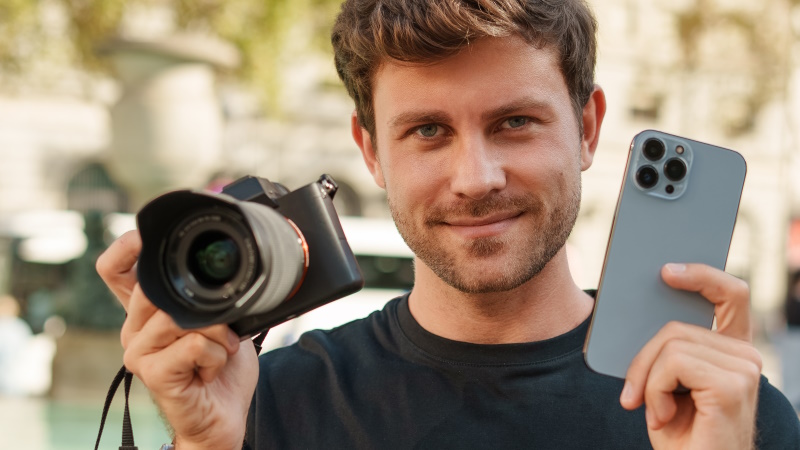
252, 256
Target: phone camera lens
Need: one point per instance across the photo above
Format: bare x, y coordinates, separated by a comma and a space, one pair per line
653, 149
675, 169
646, 177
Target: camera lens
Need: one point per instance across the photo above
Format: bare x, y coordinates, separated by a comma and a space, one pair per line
647, 177
213, 259
653, 149
675, 169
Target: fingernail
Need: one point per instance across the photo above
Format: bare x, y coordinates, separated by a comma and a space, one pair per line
627, 393
676, 268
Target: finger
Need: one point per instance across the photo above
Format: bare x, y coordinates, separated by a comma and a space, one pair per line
730, 295
161, 331
639, 369
116, 266
140, 309
693, 366
192, 354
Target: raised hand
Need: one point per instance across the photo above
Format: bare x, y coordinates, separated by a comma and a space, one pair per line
202, 380
721, 369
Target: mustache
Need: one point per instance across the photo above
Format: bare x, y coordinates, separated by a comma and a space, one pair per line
484, 207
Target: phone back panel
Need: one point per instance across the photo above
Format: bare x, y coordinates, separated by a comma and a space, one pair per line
652, 228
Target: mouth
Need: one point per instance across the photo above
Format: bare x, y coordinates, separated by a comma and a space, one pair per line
485, 226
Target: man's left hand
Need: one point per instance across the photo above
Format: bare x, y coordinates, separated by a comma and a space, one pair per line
721, 369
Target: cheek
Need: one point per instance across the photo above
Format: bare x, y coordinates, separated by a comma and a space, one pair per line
413, 182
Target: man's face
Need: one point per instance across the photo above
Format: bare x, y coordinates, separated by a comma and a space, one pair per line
480, 155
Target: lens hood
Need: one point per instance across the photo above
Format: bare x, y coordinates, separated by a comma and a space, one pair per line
165, 224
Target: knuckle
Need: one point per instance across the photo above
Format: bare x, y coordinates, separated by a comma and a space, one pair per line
752, 372
131, 362
196, 343
754, 356
124, 336
740, 290
102, 265
674, 328
673, 348
674, 359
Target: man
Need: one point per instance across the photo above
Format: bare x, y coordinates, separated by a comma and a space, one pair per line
477, 117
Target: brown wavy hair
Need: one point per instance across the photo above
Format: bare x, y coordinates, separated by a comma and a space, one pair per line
369, 32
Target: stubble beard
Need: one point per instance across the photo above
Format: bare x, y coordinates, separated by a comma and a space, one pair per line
527, 253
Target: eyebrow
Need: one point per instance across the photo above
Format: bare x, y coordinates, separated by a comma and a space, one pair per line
432, 116
439, 116
522, 104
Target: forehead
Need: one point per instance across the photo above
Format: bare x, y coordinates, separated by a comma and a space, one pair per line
490, 71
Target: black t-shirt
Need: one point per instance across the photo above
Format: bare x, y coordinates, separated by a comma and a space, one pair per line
384, 382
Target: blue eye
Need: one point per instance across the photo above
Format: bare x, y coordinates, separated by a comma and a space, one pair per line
515, 122
429, 130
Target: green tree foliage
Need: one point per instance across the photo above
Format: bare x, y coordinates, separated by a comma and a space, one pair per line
266, 32
18, 22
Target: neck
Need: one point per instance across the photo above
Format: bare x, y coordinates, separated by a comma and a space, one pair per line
548, 305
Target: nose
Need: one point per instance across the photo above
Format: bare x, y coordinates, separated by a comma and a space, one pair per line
476, 170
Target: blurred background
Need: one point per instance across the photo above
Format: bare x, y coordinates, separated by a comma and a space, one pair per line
104, 104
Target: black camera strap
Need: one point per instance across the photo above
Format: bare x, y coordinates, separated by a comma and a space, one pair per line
127, 429
123, 374
258, 341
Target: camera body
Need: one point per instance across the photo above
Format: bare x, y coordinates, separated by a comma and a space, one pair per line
229, 258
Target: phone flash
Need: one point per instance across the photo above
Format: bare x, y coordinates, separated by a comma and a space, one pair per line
679, 149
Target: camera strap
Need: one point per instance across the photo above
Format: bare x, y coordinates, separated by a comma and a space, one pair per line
123, 374
127, 429
258, 340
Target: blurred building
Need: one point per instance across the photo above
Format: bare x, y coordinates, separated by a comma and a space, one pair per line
721, 72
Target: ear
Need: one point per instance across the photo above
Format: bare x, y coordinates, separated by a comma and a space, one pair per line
368, 151
593, 113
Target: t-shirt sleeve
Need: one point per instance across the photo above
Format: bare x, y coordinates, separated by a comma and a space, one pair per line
776, 421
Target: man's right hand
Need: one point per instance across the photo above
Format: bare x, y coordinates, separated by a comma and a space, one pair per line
202, 380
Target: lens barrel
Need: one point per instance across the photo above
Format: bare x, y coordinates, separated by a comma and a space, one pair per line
209, 258
653, 149
213, 258
647, 177
675, 169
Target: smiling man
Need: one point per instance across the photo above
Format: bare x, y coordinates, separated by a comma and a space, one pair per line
477, 117
482, 172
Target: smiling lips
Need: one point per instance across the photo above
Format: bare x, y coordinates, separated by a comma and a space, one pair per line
478, 227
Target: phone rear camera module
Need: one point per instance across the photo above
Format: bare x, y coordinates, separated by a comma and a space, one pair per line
646, 177
653, 149
675, 169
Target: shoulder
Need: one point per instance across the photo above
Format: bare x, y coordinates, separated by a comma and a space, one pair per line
315, 350
777, 422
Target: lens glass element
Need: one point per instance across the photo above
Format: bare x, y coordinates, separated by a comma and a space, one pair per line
213, 258
653, 149
647, 177
675, 169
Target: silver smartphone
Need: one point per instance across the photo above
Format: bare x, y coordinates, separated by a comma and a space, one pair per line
678, 203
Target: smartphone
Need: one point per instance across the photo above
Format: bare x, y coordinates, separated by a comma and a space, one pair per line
678, 203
